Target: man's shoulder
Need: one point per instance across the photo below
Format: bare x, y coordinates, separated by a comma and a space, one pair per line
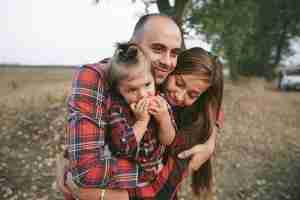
95, 70
99, 67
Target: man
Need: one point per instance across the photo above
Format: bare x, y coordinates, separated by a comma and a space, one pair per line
160, 38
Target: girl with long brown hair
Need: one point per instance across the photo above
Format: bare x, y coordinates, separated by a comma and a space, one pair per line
195, 88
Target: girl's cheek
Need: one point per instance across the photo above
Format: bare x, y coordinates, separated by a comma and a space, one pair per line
150, 94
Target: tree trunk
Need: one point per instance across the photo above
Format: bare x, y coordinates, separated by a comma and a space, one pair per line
177, 12
165, 7
280, 43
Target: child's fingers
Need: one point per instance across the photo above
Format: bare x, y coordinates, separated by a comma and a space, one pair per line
153, 109
162, 104
162, 101
133, 106
144, 105
139, 105
153, 112
156, 102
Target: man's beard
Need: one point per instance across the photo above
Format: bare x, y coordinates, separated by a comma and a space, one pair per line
160, 72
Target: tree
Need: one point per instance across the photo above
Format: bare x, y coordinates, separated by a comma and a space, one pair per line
253, 35
178, 10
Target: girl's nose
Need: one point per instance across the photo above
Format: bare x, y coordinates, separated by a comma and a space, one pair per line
179, 97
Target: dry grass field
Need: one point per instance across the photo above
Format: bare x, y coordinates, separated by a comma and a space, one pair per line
257, 155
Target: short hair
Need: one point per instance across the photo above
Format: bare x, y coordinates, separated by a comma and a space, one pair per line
142, 21
126, 56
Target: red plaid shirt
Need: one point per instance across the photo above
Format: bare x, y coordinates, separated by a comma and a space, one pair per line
148, 153
94, 112
91, 162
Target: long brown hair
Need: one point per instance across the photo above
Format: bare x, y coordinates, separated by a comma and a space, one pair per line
199, 119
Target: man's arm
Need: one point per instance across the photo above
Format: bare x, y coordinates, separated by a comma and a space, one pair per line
200, 153
86, 131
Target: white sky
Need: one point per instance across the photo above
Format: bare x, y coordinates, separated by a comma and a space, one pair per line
66, 31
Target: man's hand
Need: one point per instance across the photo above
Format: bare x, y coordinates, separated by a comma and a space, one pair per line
61, 167
199, 154
95, 193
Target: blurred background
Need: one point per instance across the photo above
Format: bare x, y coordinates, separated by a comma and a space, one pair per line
42, 43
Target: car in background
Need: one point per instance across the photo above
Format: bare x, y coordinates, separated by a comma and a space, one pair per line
289, 78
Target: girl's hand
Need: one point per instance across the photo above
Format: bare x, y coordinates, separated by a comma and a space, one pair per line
140, 110
159, 109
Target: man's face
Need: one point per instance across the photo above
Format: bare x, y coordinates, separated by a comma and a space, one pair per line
137, 86
161, 42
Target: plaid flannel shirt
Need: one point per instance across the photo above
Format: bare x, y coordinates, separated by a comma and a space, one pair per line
149, 152
92, 165
88, 109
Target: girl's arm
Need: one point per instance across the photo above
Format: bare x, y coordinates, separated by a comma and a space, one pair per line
166, 131
162, 113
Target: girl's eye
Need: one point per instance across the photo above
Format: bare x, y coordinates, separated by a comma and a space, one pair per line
179, 83
132, 90
148, 84
194, 95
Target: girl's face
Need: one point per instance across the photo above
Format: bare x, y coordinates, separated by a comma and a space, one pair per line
137, 87
184, 89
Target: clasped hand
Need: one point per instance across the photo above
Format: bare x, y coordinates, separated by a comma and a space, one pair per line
154, 105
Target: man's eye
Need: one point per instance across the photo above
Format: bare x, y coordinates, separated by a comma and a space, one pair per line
157, 49
174, 55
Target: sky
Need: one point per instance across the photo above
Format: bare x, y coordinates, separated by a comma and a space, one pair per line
69, 32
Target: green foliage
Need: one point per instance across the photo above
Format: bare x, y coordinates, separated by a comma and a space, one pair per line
253, 35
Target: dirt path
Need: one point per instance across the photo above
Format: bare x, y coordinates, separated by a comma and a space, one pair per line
258, 155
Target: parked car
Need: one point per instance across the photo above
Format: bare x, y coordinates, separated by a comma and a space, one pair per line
289, 78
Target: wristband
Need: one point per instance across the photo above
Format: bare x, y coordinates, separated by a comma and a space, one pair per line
102, 192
